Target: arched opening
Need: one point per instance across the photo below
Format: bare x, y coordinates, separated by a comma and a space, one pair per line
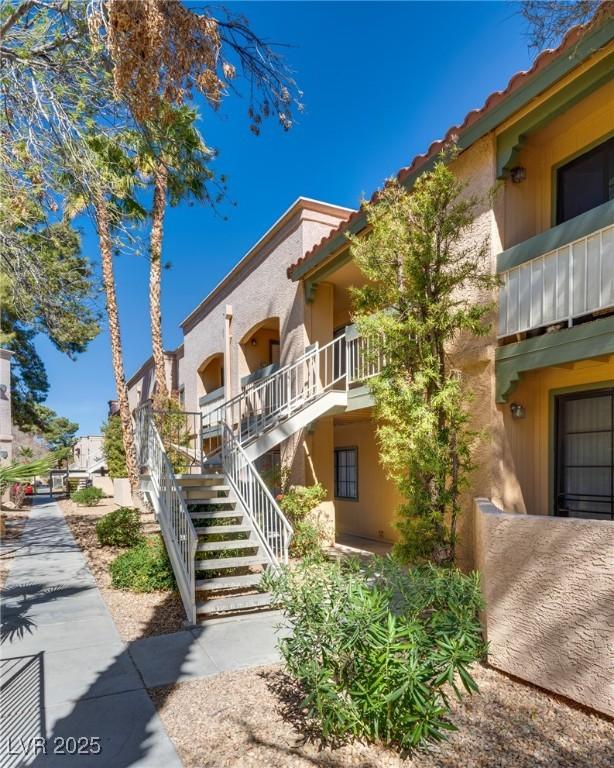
210, 378
260, 350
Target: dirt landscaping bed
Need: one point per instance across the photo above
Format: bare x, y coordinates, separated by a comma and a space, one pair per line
11, 528
245, 720
135, 615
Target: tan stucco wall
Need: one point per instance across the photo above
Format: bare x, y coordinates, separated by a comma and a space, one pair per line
530, 439
260, 291
372, 514
549, 589
529, 206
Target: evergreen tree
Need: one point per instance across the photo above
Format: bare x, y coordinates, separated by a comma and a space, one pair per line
419, 295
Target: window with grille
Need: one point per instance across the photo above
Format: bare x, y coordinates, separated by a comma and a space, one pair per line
346, 473
585, 455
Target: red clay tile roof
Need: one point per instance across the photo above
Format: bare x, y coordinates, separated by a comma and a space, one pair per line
541, 61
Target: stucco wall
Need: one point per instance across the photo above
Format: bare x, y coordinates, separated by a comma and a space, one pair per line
372, 514
549, 589
530, 206
260, 291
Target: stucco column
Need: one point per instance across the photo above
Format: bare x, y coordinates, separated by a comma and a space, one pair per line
6, 424
227, 358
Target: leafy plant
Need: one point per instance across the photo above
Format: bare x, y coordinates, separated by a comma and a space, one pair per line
144, 568
87, 497
120, 528
297, 503
19, 473
113, 447
428, 281
377, 650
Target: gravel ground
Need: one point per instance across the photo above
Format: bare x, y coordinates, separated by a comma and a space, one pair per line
241, 720
135, 615
13, 521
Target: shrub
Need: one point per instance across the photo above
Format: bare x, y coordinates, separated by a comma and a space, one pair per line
378, 649
87, 497
297, 504
144, 568
113, 447
120, 528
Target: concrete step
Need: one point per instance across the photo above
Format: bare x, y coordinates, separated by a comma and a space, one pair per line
189, 489
228, 582
218, 514
199, 477
215, 500
217, 546
218, 563
234, 603
209, 530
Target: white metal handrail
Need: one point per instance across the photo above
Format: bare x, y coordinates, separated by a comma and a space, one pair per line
170, 507
269, 522
283, 393
560, 286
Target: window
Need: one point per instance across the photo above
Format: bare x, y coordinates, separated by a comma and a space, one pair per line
585, 182
346, 473
585, 455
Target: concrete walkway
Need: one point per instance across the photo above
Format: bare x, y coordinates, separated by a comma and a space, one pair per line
69, 680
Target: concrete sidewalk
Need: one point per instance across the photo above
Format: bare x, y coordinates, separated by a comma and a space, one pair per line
69, 686
69, 680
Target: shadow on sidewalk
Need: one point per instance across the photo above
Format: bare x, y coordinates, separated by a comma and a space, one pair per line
16, 621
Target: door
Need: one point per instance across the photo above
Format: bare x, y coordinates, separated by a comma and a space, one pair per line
584, 460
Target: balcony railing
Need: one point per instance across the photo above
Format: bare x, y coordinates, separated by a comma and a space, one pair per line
572, 280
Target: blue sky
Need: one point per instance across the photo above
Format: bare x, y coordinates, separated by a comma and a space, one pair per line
381, 81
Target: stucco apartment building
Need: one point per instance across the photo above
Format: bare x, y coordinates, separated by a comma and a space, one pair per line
547, 139
271, 359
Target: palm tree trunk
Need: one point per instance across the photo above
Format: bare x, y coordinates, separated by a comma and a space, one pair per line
106, 252
155, 279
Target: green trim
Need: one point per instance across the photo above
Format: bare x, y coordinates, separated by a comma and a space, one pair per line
568, 159
591, 339
333, 245
311, 283
511, 141
552, 394
512, 103
580, 226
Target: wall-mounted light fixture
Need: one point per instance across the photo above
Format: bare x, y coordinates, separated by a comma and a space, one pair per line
518, 411
254, 343
4, 454
518, 174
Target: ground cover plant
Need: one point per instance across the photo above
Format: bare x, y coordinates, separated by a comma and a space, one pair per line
87, 497
120, 528
377, 649
144, 568
297, 503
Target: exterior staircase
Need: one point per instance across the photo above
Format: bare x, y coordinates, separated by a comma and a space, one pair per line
229, 559
222, 527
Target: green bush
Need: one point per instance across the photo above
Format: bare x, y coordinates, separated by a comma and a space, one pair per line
377, 649
120, 528
113, 447
87, 497
296, 504
144, 568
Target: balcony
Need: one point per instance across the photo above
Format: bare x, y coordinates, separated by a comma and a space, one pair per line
560, 275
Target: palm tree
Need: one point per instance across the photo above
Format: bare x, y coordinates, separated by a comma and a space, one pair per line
103, 227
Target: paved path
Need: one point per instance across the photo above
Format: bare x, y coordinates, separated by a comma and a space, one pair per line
66, 674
